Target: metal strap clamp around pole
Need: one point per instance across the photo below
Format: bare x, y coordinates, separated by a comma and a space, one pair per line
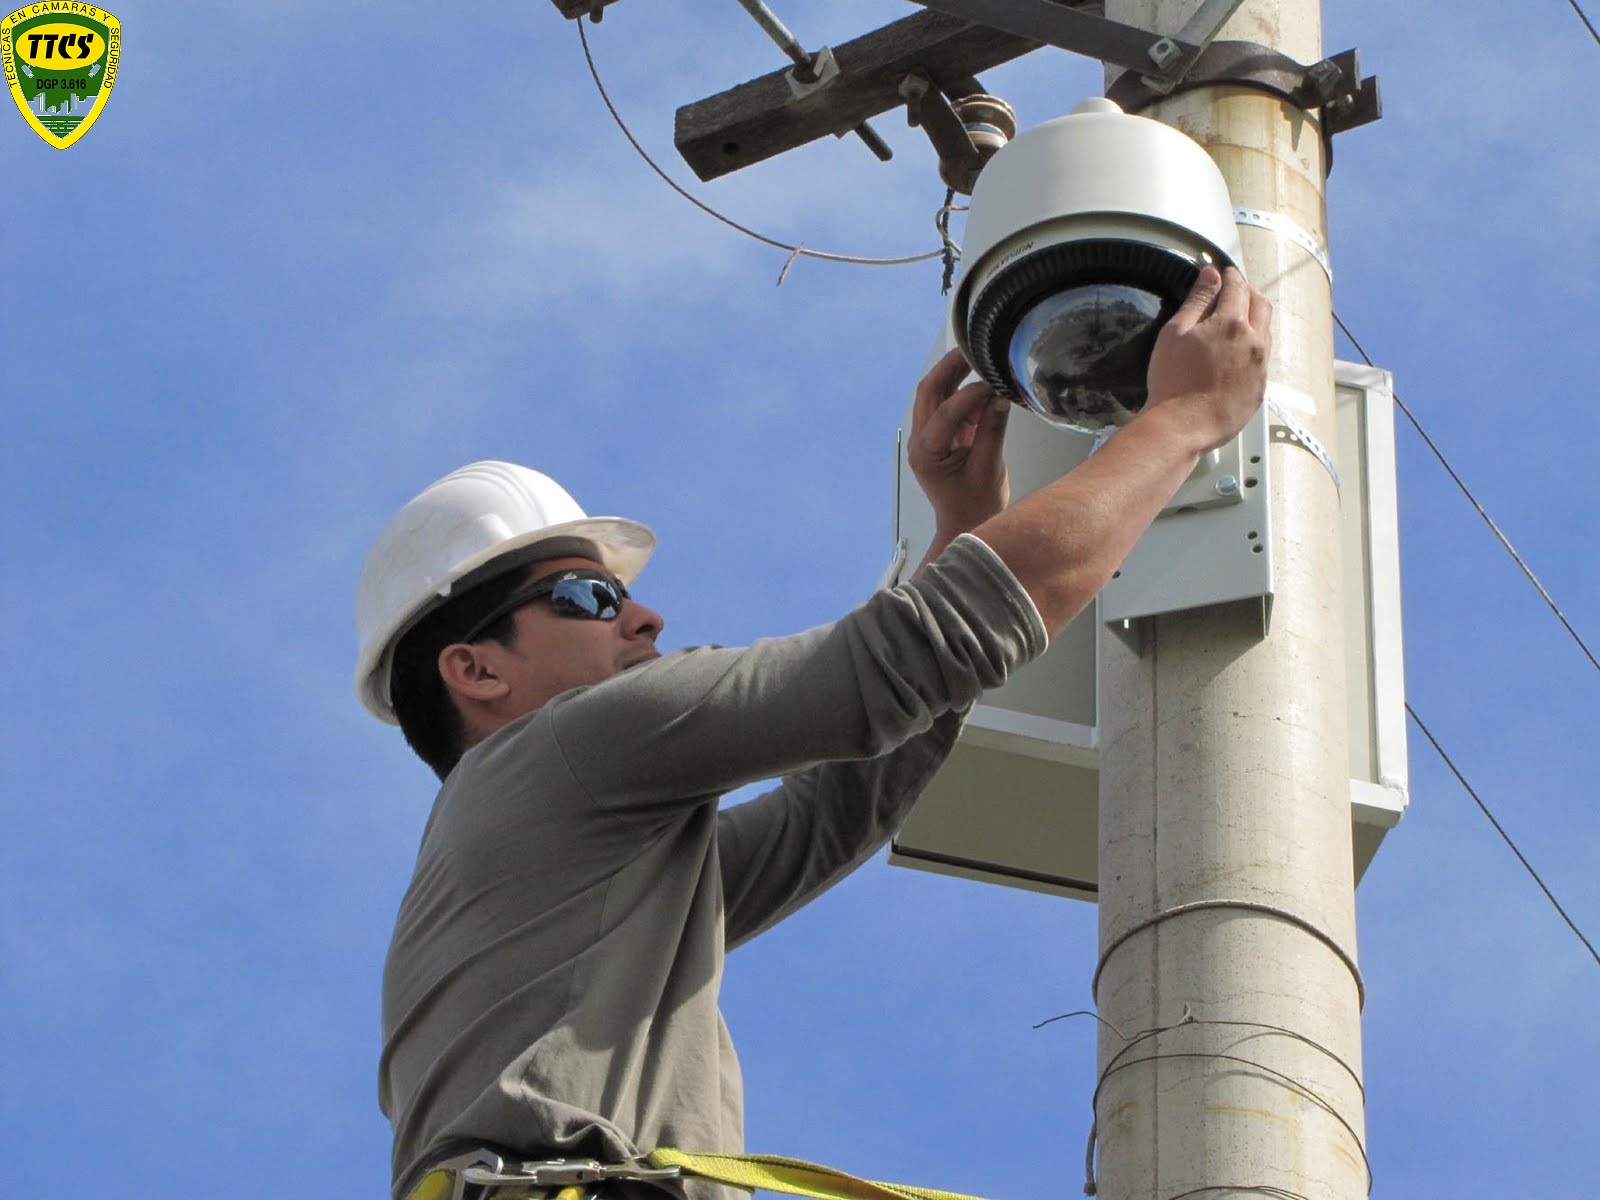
1332, 86
1281, 225
1290, 430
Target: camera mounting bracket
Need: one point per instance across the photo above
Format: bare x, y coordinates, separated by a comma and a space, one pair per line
1212, 543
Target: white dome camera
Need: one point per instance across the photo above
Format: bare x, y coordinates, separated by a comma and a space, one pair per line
1083, 237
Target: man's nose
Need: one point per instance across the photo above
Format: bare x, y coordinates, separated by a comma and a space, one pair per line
640, 620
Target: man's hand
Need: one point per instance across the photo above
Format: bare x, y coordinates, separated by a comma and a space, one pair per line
954, 451
1210, 362
1207, 377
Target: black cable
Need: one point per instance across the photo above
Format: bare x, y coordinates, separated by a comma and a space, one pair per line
1487, 519
794, 250
1504, 541
1587, 24
1484, 808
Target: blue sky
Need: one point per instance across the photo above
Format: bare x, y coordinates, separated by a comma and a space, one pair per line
314, 256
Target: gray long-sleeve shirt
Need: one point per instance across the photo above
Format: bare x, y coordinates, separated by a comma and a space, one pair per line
551, 987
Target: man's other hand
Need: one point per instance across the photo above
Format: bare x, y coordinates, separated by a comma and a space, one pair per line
1210, 360
956, 437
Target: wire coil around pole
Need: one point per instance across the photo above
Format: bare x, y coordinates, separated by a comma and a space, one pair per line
1270, 910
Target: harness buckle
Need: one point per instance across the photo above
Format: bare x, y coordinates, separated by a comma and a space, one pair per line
486, 1169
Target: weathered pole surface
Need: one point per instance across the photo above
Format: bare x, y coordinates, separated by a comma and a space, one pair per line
1226, 891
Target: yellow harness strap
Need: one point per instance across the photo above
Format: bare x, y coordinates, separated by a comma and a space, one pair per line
767, 1173
751, 1172
435, 1185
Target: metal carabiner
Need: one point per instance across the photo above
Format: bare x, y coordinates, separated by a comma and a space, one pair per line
486, 1169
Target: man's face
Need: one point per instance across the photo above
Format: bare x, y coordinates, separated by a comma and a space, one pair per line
553, 653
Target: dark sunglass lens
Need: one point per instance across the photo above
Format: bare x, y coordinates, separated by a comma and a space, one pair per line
586, 598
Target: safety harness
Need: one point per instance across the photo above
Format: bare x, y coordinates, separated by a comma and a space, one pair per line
484, 1175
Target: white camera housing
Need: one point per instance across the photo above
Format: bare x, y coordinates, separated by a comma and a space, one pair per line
1083, 236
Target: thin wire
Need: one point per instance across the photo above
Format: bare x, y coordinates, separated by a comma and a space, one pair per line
1133, 1039
952, 252
794, 251
1504, 836
1289, 1080
1195, 906
1115, 1063
1582, 16
1460, 778
1487, 519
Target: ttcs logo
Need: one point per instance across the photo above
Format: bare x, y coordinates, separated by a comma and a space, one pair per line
60, 62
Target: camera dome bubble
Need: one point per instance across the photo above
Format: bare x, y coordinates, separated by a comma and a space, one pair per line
1079, 355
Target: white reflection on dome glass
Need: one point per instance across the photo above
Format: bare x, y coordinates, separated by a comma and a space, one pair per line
1080, 355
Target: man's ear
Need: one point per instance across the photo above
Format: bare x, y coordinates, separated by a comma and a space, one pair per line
469, 673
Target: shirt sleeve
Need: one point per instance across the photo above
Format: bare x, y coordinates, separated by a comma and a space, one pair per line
784, 848
702, 722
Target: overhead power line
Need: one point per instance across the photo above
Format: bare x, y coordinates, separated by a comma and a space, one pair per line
1526, 570
1504, 836
1584, 17
1482, 512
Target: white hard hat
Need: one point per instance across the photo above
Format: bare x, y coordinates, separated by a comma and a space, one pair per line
487, 514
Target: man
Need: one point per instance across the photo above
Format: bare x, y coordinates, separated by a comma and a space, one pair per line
551, 989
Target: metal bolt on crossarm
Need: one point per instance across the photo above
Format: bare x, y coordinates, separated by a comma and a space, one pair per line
806, 68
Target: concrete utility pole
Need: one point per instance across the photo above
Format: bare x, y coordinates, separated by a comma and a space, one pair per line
1226, 889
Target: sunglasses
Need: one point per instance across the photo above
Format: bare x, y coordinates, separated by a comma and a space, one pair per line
583, 593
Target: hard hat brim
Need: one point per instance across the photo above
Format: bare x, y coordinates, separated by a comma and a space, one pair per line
618, 544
